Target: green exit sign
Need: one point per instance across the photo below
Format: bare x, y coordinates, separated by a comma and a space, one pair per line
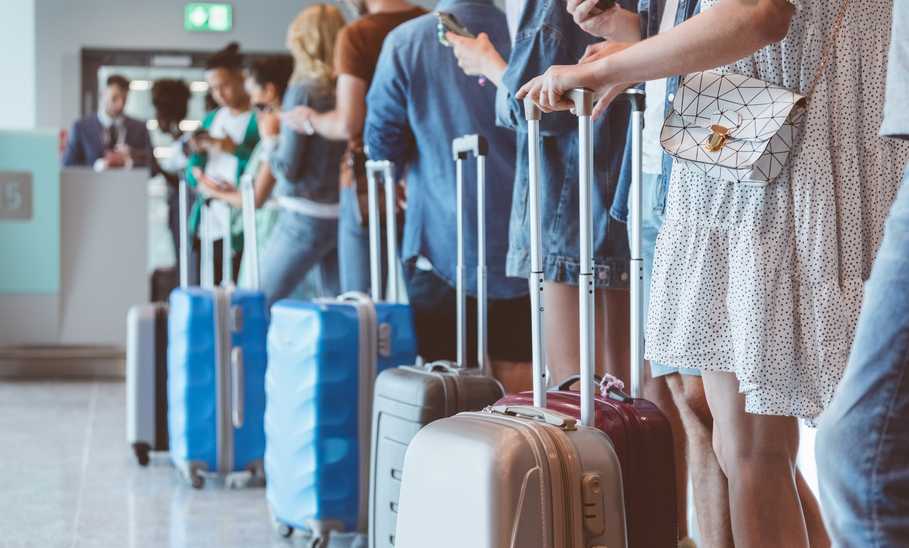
207, 17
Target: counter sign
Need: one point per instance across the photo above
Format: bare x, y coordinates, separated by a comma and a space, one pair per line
15, 196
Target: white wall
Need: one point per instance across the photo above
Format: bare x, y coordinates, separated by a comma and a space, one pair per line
63, 27
17, 64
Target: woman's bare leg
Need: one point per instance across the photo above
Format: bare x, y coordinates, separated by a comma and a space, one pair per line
757, 453
562, 331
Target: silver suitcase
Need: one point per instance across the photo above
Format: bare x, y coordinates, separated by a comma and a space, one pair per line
146, 379
146, 363
522, 476
410, 397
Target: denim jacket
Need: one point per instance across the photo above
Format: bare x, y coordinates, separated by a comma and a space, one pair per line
419, 101
651, 18
306, 166
546, 36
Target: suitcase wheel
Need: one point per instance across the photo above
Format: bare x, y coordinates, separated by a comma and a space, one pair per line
141, 451
197, 481
284, 530
319, 542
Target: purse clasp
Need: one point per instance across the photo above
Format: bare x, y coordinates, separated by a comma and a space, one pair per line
717, 139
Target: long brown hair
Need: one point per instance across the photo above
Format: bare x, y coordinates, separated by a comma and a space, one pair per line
311, 40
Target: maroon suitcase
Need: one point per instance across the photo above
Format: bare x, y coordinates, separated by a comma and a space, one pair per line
639, 432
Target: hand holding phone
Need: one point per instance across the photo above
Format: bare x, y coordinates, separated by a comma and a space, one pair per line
449, 23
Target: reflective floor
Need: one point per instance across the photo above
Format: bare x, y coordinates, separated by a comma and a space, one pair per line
68, 479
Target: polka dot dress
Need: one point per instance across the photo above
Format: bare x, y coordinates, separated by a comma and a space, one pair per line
766, 282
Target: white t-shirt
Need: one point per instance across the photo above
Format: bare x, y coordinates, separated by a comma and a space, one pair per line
655, 112
222, 166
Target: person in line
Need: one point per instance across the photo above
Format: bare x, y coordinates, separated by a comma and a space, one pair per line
679, 392
223, 146
863, 438
109, 139
303, 169
759, 287
544, 34
266, 81
418, 103
356, 54
170, 99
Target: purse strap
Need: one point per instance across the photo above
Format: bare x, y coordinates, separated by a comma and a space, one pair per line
828, 46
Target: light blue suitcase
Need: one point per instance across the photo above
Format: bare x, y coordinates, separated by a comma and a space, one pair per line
324, 357
216, 371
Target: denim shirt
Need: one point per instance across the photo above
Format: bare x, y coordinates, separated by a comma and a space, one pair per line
651, 12
419, 101
546, 36
306, 166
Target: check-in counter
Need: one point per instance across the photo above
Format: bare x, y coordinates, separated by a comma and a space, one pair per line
73, 249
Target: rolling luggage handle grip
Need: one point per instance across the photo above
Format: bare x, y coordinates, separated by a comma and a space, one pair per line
237, 386
554, 418
386, 168
461, 149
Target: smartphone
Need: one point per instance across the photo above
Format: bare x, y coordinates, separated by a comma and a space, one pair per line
449, 23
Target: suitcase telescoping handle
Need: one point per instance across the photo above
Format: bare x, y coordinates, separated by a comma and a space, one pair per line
532, 114
387, 169
183, 196
637, 98
251, 244
250, 233
461, 149
583, 106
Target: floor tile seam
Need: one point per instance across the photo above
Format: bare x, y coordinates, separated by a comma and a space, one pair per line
86, 458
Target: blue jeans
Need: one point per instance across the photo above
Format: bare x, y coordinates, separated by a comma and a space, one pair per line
863, 441
654, 208
297, 245
353, 244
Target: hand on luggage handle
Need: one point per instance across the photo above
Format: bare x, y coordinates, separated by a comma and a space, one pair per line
541, 414
237, 386
461, 148
387, 168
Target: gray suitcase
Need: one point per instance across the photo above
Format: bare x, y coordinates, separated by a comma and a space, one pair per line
408, 398
146, 364
521, 476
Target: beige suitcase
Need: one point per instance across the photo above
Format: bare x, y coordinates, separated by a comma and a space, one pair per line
520, 476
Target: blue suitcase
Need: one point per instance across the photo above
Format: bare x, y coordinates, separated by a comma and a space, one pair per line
324, 357
216, 373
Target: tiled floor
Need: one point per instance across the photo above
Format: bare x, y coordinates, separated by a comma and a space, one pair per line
68, 479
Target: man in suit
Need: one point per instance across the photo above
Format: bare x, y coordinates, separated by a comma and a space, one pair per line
109, 139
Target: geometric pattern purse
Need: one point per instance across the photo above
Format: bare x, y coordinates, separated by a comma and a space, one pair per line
736, 128
732, 127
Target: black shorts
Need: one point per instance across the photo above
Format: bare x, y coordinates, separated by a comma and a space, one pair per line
434, 305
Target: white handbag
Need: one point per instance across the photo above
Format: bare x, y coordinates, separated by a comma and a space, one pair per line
736, 128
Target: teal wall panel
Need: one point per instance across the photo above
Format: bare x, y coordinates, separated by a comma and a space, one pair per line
30, 249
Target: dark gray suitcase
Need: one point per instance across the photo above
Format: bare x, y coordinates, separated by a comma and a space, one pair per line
410, 397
